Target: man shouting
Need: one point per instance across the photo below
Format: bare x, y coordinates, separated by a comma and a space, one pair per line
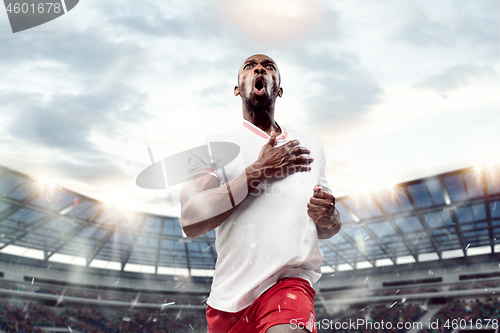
268, 211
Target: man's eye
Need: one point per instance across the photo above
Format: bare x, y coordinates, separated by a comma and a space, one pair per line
247, 66
271, 67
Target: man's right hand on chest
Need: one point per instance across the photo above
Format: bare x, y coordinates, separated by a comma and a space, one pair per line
279, 162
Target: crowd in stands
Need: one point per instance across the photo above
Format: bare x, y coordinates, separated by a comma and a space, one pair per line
468, 310
28, 318
476, 285
24, 317
392, 313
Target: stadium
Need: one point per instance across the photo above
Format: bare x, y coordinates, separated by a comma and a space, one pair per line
408, 257
104, 103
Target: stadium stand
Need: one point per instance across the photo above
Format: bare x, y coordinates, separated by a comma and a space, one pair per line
418, 252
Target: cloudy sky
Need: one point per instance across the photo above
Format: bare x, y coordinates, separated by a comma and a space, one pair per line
395, 90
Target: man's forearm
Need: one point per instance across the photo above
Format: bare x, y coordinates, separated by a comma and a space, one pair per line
205, 210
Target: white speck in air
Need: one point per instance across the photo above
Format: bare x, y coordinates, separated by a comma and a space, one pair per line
394, 304
252, 245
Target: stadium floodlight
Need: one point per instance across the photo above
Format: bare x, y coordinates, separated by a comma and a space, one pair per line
42, 184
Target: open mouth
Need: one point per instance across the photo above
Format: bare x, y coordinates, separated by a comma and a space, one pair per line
259, 85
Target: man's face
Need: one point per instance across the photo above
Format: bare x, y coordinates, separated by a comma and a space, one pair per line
259, 81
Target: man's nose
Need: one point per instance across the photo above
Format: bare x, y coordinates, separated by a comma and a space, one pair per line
259, 69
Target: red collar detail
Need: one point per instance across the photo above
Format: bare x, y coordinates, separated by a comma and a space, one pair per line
261, 133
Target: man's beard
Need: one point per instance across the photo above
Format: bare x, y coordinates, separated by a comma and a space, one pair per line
262, 108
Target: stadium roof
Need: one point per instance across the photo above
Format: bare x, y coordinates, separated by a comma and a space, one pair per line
451, 215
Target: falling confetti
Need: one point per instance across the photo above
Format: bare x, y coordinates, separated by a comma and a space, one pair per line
167, 304
416, 240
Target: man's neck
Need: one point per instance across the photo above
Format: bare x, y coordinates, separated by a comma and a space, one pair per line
263, 120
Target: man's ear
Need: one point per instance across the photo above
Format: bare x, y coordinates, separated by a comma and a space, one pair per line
280, 92
236, 90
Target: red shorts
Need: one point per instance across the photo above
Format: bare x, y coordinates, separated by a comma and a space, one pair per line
289, 301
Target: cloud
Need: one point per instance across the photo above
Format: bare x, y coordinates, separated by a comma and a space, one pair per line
66, 88
193, 20
278, 22
95, 168
63, 126
450, 23
151, 20
346, 90
455, 77
65, 121
344, 98
86, 54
